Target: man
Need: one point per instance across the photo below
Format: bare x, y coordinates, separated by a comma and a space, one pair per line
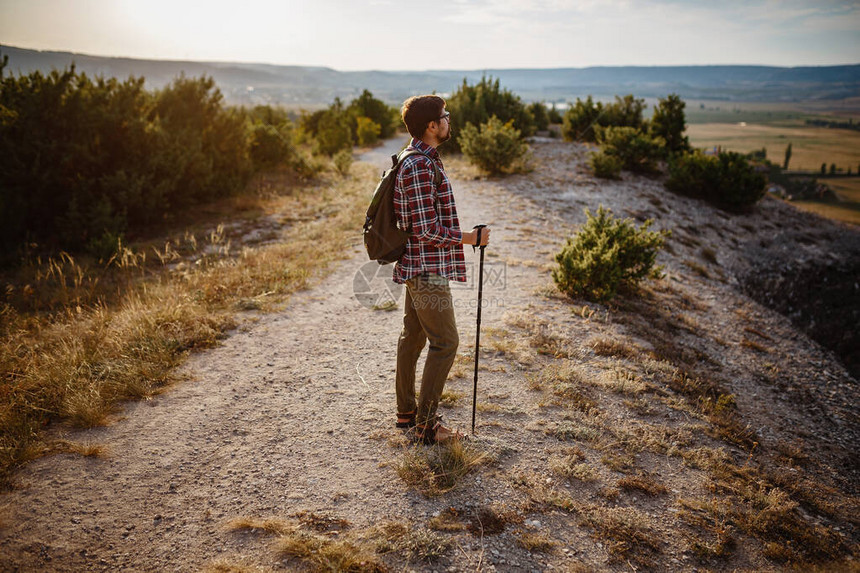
433, 257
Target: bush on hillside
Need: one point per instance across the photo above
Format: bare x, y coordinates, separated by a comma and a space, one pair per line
270, 146
367, 131
332, 130
540, 115
635, 150
669, 123
727, 180
624, 112
494, 146
604, 165
84, 161
555, 117
380, 113
340, 127
476, 104
580, 120
343, 161
583, 119
607, 255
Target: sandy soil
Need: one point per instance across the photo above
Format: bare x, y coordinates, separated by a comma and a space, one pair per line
294, 411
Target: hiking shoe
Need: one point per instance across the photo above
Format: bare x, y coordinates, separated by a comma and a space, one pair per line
435, 434
405, 421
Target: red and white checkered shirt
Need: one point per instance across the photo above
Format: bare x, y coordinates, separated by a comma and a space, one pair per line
435, 245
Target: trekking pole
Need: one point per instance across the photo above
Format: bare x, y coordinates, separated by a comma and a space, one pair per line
478, 329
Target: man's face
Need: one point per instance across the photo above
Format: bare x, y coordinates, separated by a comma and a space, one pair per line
444, 126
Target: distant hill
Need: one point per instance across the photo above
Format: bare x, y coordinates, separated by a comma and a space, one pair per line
298, 85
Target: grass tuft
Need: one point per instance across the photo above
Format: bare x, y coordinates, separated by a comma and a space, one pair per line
270, 526
86, 449
610, 347
626, 531
536, 542
448, 520
644, 483
436, 469
328, 554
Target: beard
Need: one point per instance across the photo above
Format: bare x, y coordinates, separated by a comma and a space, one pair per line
447, 136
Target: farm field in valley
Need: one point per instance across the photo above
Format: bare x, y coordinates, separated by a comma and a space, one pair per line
810, 146
848, 211
746, 127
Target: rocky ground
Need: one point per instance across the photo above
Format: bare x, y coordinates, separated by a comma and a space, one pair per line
291, 418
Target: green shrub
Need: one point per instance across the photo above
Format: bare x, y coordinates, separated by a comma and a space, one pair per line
606, 255
637, 151
580, 120
307, 166
343, 161
476, 104
604, 165
83, 160
367, 106
669, 123
333, 131
624, 112
727, 180
494, 146
540, 115
583, 119
270, 146
367, 130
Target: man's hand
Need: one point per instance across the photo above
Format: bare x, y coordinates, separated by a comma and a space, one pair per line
471, 237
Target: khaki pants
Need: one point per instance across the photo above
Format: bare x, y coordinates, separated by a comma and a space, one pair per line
428, 315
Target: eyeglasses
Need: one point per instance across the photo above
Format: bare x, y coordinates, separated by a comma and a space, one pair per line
446, 115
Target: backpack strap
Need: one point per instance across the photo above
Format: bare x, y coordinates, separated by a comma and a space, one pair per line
397, 161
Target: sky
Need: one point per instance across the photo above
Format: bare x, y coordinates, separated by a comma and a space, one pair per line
445, 34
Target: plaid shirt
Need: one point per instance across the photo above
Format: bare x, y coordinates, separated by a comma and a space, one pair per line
434, 246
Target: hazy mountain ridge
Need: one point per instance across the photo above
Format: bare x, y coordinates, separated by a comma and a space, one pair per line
299, 85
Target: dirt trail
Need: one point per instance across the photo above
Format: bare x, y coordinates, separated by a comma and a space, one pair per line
274, 421
294, 412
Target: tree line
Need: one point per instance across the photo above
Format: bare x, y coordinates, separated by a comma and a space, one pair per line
85, 161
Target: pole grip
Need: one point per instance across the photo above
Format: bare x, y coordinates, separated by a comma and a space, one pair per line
478, 238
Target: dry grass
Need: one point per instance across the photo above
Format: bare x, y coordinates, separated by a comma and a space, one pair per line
753, 345
324, 543
464, 364
570, 467
323, 553
698, 269
570, 396
642, 482
611, 347
448, 520
436, 469
77, 337
450, 398
565, 373
712, 535
626, 531
536, 542
86, 449
619, 462
576, 429
230, 566
273, 526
